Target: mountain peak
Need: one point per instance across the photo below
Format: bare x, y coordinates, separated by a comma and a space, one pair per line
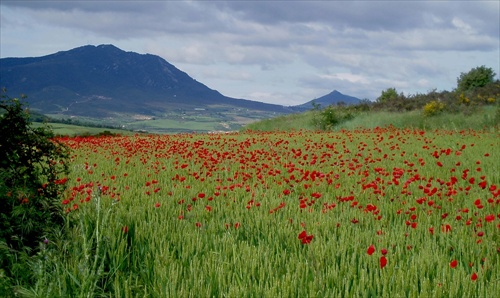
332, 98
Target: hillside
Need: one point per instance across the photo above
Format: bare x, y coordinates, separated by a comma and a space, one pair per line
480, 118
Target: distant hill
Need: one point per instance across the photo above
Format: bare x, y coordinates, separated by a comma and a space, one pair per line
332, 98
100, 81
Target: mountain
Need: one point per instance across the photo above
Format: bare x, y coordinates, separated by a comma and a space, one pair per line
332, 98
101, 81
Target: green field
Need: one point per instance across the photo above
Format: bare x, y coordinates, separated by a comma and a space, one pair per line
74, 130
215, 119
382, 212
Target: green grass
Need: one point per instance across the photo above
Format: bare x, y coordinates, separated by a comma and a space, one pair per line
288, 122
485, 117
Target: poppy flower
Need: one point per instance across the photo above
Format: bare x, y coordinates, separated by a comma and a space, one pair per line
490, 218
305, 239
302, 234
473, 277
446, 228
383, 251
157, 205
383, 262
453, 264
370, 250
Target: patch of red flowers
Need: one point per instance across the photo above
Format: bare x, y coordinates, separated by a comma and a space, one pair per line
304, 238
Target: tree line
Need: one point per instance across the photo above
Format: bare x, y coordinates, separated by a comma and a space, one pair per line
475, 88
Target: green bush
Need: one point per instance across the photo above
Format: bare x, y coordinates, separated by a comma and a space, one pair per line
475, 78
32, 179
329, 117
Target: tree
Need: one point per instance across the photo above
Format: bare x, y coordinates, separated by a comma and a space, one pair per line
476, 77
387, 95
32, 179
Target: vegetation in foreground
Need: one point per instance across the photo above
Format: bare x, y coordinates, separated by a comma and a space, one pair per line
31, 166
372, 212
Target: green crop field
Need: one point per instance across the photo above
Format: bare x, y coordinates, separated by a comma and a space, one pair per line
73, 130
381, 212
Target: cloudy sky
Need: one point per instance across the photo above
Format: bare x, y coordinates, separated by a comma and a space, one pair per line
283, 52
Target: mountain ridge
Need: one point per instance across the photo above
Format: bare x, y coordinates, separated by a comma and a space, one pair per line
105, 82
105, 72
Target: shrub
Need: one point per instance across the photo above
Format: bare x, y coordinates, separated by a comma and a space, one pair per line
433, 108
32, 169
331, 116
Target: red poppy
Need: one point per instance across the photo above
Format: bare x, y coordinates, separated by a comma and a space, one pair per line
473, 276
198, 225
383, 262
302, 234
453, 264
305, 239
370, 250
157, 205
446, 228
383, 251
490, 218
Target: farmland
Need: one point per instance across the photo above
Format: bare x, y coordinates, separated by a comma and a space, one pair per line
362, 212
